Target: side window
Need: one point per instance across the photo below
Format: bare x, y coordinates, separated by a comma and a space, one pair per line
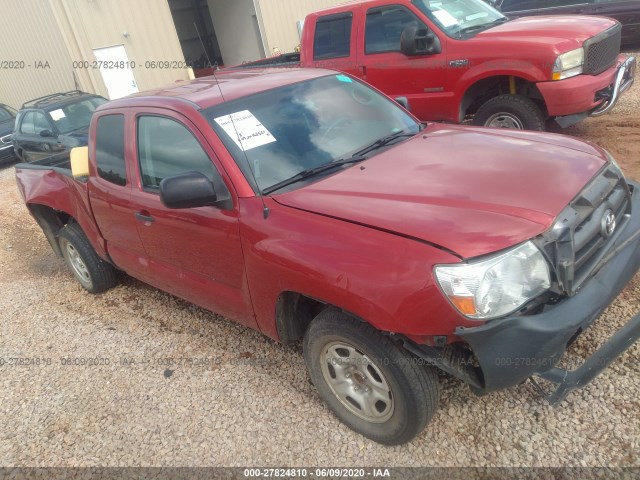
27, 126
110, 149
333, 37
518, 5
167, 148
385, 26
40, 122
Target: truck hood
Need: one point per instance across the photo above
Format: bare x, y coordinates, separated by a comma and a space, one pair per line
471, 191
562, 31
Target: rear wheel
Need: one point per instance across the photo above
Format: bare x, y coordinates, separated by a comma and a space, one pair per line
510, 111
93, 273
371, 384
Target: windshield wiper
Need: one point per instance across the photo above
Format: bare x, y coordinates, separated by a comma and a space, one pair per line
383, 142
483, 26
312, 172
357, 157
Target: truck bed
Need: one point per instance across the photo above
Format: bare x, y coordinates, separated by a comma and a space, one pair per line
58, 163
284, 60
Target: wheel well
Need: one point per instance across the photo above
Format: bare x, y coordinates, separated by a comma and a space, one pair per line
51, 221
488, 88
294, 313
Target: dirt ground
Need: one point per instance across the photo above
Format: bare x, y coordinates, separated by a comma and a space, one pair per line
175, 385
619, 133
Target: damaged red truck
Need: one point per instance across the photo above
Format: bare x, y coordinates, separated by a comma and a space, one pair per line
462, 60
309, 206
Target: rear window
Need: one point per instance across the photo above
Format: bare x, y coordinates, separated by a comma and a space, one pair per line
110, 149
333, 37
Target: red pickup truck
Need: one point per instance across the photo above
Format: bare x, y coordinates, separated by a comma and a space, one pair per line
461, 59
308, 206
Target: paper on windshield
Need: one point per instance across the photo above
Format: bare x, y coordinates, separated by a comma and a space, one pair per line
57, 114
246, 130
445, 18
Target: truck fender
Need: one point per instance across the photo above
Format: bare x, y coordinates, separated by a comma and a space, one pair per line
479, 74
48, 193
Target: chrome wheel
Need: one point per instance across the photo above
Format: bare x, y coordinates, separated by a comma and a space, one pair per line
357, 382
504, 120
78, 265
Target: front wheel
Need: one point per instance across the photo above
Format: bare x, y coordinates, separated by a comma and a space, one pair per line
93, 273
370, 383
510, 111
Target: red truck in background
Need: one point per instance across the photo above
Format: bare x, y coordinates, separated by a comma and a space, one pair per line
309, 206
461, 59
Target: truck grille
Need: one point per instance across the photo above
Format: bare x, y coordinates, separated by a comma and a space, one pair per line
601, 51
579, 240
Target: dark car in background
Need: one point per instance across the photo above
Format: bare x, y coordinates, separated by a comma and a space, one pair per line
7, 120
54, 124
627, 12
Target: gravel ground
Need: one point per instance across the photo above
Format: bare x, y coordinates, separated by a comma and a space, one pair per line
246, 400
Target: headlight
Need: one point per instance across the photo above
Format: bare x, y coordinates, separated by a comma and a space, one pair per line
495, 286
568, 64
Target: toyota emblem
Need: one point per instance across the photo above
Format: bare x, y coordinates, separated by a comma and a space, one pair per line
608, 223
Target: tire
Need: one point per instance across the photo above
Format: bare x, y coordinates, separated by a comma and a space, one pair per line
94, 274
338, 347
510, 111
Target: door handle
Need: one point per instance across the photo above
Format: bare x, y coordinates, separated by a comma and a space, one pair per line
144, 217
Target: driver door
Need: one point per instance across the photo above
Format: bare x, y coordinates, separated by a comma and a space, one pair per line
193, 253
422, 79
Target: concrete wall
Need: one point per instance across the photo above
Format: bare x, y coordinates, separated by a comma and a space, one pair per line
235, 25
144, 27
30, 35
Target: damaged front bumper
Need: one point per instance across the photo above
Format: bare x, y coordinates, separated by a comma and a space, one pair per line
512, 349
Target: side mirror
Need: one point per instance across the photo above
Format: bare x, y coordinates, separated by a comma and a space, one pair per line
404, 103
188, 190
419, 41
47, 134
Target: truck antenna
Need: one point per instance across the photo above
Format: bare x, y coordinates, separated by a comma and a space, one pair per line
265, 210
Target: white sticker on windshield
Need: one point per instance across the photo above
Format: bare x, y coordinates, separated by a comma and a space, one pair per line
57, 115
246, 130
446, 19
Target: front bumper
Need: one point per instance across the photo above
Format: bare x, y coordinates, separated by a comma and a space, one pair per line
585, 95
513, 349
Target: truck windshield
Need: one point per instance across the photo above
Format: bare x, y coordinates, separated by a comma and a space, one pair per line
295, 130
76, 115
460, 18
